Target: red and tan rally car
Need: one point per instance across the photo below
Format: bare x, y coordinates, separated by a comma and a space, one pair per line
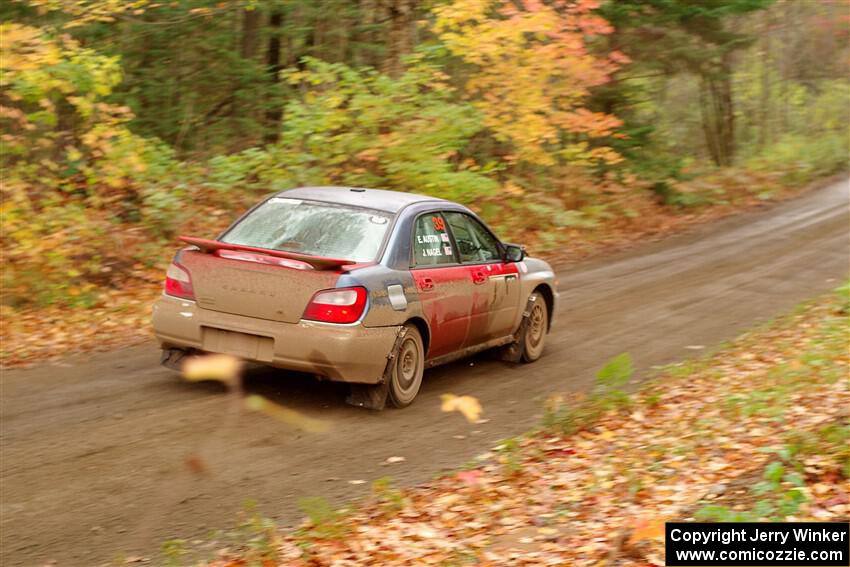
363, 286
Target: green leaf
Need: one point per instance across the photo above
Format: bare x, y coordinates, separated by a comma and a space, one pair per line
617, 371
764, 509
795, 478
774, 472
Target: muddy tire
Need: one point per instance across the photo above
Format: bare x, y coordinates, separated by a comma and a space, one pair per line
533, 337
408, 368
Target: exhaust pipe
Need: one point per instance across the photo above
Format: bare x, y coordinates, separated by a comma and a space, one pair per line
173, 358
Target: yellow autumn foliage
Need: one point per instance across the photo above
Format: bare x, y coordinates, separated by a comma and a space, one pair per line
533, 73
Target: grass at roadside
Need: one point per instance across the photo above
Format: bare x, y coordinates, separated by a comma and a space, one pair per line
115, 310
759, 430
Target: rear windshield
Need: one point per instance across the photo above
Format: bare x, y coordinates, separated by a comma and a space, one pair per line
314, 228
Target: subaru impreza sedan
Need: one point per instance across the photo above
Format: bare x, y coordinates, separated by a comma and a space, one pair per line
363, 286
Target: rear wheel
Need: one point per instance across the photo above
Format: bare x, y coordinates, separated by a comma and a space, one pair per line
408, 368
536, 326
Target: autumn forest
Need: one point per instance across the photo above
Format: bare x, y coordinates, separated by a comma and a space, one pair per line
559, 121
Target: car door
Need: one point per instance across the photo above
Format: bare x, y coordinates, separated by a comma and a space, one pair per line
443, 284
495, 283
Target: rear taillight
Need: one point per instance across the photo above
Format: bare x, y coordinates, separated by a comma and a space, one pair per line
178, 283
343, 305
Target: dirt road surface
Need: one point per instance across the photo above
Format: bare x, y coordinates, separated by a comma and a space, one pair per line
94, 449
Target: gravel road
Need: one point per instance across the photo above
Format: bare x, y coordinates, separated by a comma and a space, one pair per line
94, 448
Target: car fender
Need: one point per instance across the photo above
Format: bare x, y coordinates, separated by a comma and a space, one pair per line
534, 272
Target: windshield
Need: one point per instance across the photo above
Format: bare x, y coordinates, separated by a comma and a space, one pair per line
314, 228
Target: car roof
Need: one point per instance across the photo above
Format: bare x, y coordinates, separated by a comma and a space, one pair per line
378, 199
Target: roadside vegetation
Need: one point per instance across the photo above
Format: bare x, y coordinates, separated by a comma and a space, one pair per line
758, 431
570, 126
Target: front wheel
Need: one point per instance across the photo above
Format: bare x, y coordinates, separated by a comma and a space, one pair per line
408, 368
534, 335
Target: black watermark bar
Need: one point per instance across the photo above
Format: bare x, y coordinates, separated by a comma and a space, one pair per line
807, 544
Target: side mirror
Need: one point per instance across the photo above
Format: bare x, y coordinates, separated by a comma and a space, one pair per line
514, 253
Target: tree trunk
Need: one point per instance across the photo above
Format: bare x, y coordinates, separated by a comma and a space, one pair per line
250, 44
274, 112
249, 47
400, 40
360, 54
727, 114
764, 139
718, 115
787, 22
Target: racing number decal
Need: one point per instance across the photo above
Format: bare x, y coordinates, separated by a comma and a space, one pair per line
431, 243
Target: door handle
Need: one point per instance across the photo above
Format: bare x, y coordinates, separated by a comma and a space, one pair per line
479, 277
426, 283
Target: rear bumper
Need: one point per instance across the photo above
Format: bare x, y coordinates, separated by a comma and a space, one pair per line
346, 353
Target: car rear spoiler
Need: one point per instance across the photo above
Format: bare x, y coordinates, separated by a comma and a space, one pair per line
317, 262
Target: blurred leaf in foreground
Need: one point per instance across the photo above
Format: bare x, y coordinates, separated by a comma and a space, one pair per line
222, 367
286, 415
467, 405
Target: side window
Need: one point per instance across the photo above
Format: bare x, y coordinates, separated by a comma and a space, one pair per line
431, 243
475, 244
